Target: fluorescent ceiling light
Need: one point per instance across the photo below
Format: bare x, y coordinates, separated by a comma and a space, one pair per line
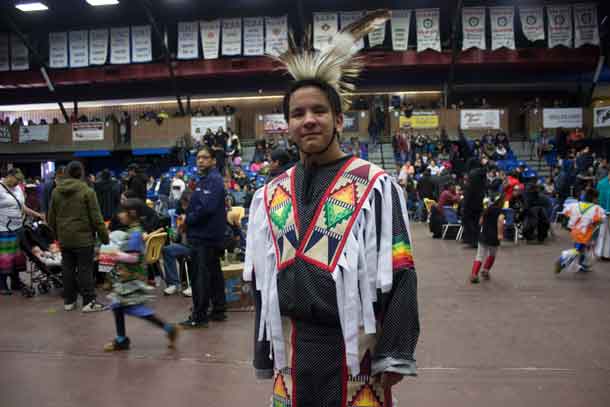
102, 2
32, 6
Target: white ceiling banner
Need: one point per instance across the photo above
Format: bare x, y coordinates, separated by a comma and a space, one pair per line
401, 25
348, 17
560, 25
586, 30
58, 50
20, 60
231, 36
188, 40
325, 26
377, 36
502, 27
98, 47
532, 23
428, 33
120, 46
254, 36
473, 28
5, 61
79, 49
210, 38
276, 35
141, 43
567, 118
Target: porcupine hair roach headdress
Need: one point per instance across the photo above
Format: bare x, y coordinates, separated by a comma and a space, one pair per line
334, 69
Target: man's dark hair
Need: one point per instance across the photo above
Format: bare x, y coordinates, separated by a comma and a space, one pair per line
591, 194
331, 94
60, 171
75, 169
207, 149
105, 175
130, 194
133, 204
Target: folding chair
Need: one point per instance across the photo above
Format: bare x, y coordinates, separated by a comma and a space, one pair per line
509, 223
451, 217
153, 245
429, 203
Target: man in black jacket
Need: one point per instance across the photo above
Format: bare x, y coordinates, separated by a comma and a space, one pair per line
136, 181
474, 193
108, 194
48, 187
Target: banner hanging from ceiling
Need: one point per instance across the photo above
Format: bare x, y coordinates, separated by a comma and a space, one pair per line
559, 26
586, 30
93, 131
377, 36
98, 47
502, 27
567, 118
79, 48
4, 53
58, 50
400, 24
276, 35
479, 119
141, 43
231, 36
210, 38
120, 52
348, 17
473, 28
428, 33
532, 23
188, 40
325, 26
34, 134
254, 36
601, 116
19, 55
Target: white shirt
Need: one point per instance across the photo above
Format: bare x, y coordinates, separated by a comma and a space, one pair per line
178, 187
11, 214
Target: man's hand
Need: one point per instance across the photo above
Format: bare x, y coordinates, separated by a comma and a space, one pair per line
389, 379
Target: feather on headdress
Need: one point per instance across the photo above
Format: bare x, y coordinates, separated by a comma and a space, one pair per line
337, 64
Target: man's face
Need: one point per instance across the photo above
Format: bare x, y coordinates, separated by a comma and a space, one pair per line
311, 122
11, 181
205, 161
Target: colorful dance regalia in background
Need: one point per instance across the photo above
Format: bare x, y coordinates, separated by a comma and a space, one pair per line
602, 246
330, 250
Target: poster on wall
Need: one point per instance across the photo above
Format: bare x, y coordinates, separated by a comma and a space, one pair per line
5, 135
351, 122
479, 119
568, 118
34, 134
141, 45
560, 25
58, 50
199, 125
210, 38
428, 33
98, 47
325, 26
4, 53
585, 25
231, 36
274, 123
188, 40
79, 48
532, 23
254, 36
473, 28
276, 35
119, 46
348, 17
601, 116
88, 131
502, 30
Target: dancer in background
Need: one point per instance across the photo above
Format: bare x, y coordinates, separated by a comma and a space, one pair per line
492, 233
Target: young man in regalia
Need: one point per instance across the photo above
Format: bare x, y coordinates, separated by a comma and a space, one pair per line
329, 249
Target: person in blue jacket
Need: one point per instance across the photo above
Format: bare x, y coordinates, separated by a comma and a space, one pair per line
205, 226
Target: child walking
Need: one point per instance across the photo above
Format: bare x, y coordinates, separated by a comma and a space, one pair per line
584, 218
129, 290
492, 233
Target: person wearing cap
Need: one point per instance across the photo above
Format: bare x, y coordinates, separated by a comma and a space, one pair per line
12, 213
76, 219
328, 247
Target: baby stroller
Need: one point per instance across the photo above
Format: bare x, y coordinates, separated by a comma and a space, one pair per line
44, 270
